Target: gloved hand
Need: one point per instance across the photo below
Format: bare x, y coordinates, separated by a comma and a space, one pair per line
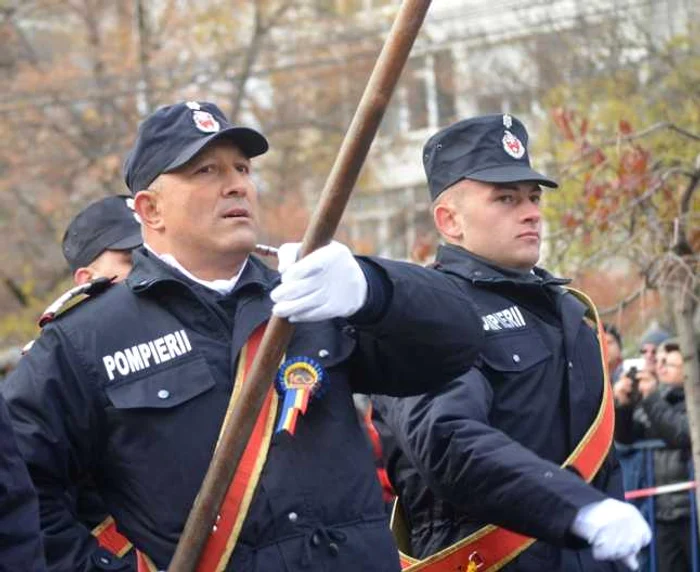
287, 255
328, 283
616, 531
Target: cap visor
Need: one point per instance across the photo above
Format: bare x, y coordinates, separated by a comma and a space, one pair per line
248, 140
128, 243
512, 174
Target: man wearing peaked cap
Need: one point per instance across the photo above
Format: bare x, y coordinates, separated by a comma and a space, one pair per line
490, 149
195, 125
100, 238
131, 389
97, 245
514, 440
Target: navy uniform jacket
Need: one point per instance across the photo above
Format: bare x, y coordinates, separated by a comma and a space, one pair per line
83, 404
486, 448
20, 540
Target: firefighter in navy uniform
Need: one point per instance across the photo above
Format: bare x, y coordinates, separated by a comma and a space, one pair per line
20, 538
488, 447
131, 387
97, 246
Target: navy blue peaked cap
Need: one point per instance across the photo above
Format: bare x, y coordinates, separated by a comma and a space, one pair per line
172, 135
107, 224
489, 148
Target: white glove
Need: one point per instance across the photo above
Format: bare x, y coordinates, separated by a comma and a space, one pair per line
328, 283
616, 531
287, 255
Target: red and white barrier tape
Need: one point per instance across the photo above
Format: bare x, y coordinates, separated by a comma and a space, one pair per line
661, 490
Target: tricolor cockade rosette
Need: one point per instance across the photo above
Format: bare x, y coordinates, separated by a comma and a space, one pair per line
298, 380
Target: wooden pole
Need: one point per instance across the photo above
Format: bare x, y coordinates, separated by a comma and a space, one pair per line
322, 227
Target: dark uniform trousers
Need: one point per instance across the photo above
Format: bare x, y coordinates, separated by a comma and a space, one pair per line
130, 388
487, 447
20, 538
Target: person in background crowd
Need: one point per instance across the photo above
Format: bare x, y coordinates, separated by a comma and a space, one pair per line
363, 406
656, 410
650, 341
613, 341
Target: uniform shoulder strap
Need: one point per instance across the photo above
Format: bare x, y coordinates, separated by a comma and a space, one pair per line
73, 297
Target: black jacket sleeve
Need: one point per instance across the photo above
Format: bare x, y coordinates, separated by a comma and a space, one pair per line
668, 423
446, 435
56, 423
627, 428
427, 333
20, 538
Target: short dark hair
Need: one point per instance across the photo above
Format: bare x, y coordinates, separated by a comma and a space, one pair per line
671, 346
614, 332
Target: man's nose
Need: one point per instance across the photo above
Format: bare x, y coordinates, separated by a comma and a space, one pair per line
532, 212
236, 183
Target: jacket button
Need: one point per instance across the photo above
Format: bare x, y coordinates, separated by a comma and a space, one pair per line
571, 365
333, 549
516, 358
163, 394
548, 474
293, 516
323, 353
315, 539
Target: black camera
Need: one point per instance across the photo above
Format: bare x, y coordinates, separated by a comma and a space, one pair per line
632, 375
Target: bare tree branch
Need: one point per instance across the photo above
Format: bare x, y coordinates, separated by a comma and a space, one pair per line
632, 137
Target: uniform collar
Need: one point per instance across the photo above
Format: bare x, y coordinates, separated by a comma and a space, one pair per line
222, 286
149, 270
456, 260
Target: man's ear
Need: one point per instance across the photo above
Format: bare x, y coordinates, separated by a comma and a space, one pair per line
147, 207
83, 275
447, 220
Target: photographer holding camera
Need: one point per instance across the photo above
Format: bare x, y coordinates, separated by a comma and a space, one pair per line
649, 409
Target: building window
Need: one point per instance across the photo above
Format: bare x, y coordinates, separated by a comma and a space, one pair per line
426, 97
445, 94
416, 90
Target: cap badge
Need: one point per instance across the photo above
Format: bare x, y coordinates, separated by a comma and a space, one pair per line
512, 145
507, 121
205, 122
193, 105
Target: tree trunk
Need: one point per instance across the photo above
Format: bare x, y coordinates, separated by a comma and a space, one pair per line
684, 311
144, 38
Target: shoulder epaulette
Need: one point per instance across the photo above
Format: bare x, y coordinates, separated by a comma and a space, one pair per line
590, 318
89, 290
